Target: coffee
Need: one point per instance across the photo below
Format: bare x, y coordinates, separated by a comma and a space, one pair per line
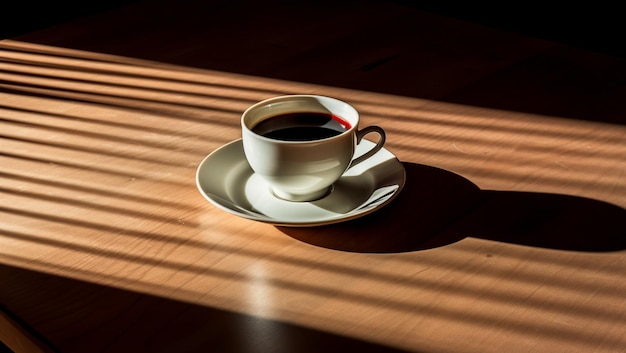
301, 126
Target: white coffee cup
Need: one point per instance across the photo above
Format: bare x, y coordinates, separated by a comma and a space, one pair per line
301, 164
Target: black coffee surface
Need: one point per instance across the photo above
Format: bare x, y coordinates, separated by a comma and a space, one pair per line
301, 126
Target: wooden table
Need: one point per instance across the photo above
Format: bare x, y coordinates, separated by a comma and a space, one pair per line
509, 236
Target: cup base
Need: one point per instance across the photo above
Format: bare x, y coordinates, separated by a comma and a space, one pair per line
302, 197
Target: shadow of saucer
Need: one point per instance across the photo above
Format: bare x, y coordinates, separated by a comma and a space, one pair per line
438, 207
432, 200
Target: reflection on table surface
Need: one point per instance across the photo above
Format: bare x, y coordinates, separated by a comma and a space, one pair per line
508, 236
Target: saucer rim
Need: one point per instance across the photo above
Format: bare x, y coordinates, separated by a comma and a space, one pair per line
290, 223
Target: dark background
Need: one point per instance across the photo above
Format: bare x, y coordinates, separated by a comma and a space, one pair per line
592, 25
23, 16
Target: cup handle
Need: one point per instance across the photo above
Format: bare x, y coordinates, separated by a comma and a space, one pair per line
379, 144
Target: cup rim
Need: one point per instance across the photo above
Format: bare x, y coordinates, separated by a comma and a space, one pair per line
353, 126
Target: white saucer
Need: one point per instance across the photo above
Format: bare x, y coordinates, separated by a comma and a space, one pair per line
226, 180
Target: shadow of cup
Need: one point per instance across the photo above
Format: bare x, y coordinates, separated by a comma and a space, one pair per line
438, 207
